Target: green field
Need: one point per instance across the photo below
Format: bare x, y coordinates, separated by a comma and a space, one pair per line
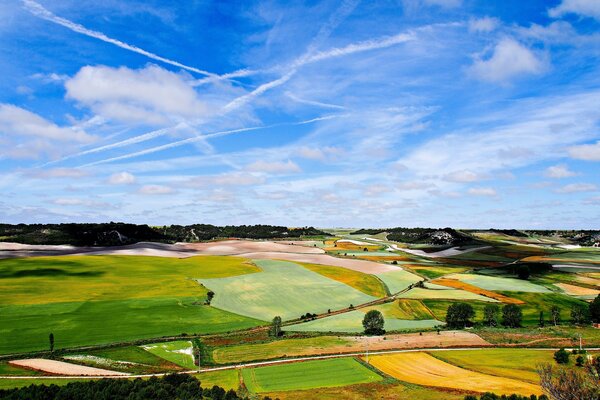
227, 379
276, 349
399, 280
178, 352
351, 322
499, 283
510, 363
282, 288
308, 375
103, 299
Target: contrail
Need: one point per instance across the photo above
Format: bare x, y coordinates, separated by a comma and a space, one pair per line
203, 138
123, 143
39, 11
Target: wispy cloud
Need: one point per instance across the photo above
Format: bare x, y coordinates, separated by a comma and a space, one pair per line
40, 11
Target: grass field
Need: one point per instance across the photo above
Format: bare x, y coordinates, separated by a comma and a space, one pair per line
104, 299
283, 288
7, 369
411, 309
510, 363
276, 349
351, 322
227, 379
399, 280
433, 272
308, 375
26, 327
178, 352
424, 369
499, 283
368, 284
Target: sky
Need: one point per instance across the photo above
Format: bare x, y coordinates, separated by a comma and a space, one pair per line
462, 113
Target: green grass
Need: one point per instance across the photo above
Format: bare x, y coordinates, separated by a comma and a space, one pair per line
227, 379
500, 283
283, 288
18, 383
133, 354
26, 327
510, 363
308, 375
7, 369
351, 322
178, 352
87, 300
433, 272
276, 349
399, 280
368, 284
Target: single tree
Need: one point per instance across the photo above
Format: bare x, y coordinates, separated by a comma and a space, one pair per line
51, 339
555, 312
511, 316
595, 309
578, 316
542, 322
209, 296
490, 315
459, 315
373, 323
579, 361
275, 330
561, 356
523, 272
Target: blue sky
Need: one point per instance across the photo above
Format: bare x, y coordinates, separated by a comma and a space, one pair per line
471, 114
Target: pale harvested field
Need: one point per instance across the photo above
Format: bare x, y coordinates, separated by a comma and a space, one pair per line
454, 251
426, 370
62, 368
415, 340
367, 267
235, 247
574, 290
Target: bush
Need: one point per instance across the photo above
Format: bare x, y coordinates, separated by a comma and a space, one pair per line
459, 315
561, 356
511, 316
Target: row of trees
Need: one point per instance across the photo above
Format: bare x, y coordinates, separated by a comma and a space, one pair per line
170, 387
460, 315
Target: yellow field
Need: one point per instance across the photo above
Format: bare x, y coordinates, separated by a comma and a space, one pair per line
366, 283
563, 260
426, 370
574, 290
403, 309
454, 283
350, 246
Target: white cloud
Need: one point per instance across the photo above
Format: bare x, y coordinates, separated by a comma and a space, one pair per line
147, 95
276, 167
578, 187
121, 178
559, 171
588, 152
321, 154
155, 190
485, 24
57, 173
227, 179
508, 60
588, 8
482, 191
18, 121
462, 176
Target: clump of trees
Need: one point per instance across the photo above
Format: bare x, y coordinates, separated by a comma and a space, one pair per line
490, 315
275, 329
512, 316
594, 309
564, 383
459, 315
373, 323
561, 356
493, 396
